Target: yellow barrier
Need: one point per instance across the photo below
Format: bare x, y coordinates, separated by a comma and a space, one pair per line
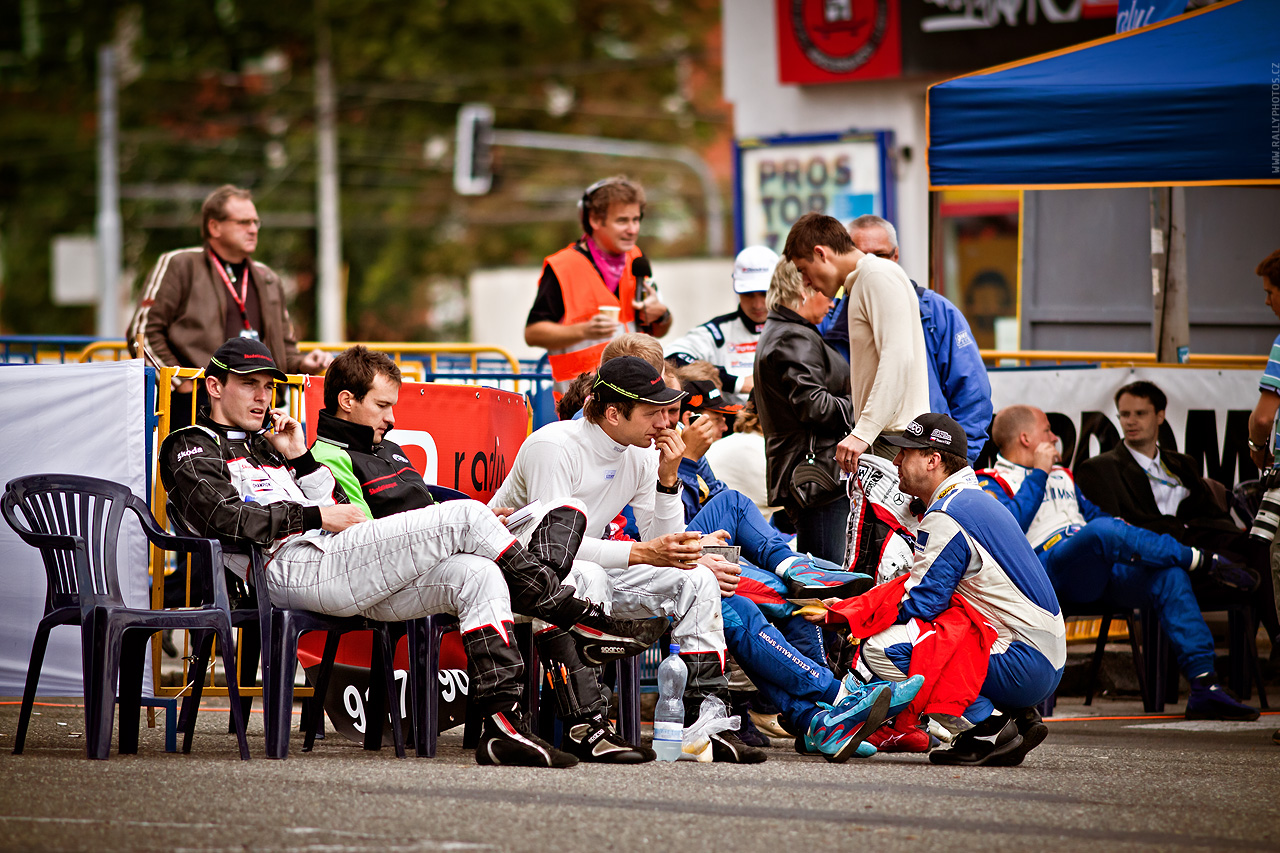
164, 402
1122, 359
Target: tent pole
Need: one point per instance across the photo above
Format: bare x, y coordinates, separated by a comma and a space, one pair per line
1171, 331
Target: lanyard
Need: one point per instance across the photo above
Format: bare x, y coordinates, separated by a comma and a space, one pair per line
1171, 483
244, 289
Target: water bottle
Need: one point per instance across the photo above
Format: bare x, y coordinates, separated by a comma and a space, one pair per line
668, 717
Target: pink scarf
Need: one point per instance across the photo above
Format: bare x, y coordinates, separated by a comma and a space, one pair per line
611, 266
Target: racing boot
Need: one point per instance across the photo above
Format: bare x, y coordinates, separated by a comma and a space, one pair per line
983, 745
901, 734
505, 738
707, 678
1033, 731
594, 739
813, 577
556, 539
536, 591
838, 732
581, 705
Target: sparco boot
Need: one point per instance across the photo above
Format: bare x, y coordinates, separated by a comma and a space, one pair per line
506, 739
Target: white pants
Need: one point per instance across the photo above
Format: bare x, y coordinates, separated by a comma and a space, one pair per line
438, 559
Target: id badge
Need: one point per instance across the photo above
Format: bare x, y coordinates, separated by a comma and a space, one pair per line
251, 334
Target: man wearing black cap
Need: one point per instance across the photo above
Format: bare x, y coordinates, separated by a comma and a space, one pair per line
622, 452
244, 474
970, 546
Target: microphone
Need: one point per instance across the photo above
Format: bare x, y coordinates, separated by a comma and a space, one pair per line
642, 271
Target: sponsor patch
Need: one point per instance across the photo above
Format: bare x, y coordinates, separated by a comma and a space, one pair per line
915, 428
941, 436
190, 451
610, 474
399, 458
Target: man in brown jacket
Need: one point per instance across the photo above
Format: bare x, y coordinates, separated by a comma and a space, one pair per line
197, 298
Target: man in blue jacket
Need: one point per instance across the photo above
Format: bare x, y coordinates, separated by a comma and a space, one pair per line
958, 383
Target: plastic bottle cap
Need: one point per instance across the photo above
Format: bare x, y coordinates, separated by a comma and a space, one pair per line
673, 649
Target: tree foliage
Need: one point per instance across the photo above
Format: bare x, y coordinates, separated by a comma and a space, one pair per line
223, 92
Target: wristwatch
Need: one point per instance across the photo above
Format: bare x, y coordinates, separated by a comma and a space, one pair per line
670, 490
1256, 447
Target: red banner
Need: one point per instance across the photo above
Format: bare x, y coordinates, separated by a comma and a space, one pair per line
830, 41
461, 436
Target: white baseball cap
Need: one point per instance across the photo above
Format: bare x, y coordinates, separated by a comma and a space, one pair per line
753, 268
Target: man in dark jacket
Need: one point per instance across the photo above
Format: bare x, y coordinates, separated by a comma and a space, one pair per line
361, 389
1162, 491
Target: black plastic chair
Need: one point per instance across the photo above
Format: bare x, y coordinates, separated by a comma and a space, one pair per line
279, 629
75, 523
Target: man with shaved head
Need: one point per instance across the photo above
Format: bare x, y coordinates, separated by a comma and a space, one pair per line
1094, 558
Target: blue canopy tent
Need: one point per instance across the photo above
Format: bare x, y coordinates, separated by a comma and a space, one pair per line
1189, 101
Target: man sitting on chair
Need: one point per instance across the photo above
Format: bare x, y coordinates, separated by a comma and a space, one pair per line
361, 389
243, 474
1094, 558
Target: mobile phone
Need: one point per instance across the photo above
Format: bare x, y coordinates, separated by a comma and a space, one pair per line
267, 423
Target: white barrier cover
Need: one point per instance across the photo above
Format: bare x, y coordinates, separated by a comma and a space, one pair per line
1207, 415
70, 419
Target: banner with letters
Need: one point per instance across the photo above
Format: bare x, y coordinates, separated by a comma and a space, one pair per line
461, 436
1207, 417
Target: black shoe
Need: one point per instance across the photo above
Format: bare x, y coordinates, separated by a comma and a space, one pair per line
1210, 700
602, 638
727, 746
593, 739
980, 745
1232, 575
1033, 731
506, 739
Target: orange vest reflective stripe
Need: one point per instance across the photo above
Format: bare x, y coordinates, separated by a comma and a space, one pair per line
584, 292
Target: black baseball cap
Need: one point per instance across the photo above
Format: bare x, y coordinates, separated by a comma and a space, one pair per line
932, 431
245, 355
704, 396
630, 378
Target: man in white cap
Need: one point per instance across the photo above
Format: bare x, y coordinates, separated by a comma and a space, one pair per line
729, 341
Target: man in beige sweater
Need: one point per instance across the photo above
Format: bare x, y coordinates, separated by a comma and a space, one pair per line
887, 361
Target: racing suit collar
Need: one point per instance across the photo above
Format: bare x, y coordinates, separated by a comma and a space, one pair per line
230, 432
751, 325
345, 433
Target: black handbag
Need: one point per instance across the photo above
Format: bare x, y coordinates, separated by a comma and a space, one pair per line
813, 483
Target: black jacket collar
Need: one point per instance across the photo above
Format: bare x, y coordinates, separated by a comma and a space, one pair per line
786, 315
344, 433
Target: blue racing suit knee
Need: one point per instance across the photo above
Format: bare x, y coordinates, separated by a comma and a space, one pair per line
790, 680
1168, 592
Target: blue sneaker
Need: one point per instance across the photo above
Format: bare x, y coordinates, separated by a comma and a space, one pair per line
902, 692
837, 731
813, 577
1232, 575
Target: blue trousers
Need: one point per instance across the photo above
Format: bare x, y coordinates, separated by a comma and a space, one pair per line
1108, 562
791, 680
1018, 677
762, 544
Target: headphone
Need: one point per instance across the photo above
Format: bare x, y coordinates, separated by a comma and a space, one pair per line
584, 203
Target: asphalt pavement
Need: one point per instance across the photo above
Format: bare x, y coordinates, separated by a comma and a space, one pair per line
1107, 778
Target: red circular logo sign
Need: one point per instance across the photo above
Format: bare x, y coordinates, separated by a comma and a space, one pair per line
839, 36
